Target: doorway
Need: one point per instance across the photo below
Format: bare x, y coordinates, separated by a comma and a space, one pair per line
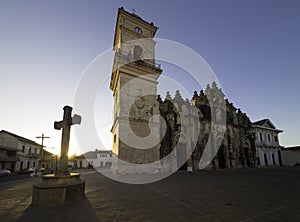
273, 159
266, 159
181, 156
279, 157
221, 158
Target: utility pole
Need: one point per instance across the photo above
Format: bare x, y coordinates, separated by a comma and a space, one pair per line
42, 137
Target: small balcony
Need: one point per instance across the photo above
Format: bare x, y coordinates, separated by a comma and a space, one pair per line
267, 143
35, 155
6, 158
127, 57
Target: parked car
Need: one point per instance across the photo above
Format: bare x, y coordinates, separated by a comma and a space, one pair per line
48, 171
29, 170
4, 172
41, 170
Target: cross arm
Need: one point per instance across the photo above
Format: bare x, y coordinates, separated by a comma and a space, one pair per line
76, 119
58, 125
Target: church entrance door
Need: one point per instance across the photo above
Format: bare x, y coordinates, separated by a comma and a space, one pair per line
181, 155
221, 158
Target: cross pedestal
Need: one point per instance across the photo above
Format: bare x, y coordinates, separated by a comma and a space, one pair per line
62, 186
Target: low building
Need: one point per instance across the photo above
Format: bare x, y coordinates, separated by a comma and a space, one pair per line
96, 159
7, 158
49, 160
18, 153
268, 149
291, 156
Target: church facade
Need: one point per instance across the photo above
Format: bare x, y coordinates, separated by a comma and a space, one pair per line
236, 146
134, 69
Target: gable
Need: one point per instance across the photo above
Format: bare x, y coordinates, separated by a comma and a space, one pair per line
90, 155
269, 124
18, 138
265, 123
8, 141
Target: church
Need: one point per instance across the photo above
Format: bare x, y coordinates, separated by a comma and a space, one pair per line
236, 146
134, 70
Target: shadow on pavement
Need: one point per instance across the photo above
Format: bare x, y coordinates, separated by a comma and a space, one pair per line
79, 210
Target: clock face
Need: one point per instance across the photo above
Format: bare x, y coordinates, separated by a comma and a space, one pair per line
138, 30
140, 102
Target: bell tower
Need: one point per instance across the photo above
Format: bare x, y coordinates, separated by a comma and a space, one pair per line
134, 73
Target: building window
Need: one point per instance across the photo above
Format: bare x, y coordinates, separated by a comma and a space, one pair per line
115, 138
35, 150
137, 53
29, 150
269, 138
275, 139
261, 136
23, 148
33, 164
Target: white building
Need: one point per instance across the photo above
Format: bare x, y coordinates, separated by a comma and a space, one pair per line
291, 156
18, 153
96, 159
268, 149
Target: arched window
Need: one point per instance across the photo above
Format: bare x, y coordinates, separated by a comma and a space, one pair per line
137, 52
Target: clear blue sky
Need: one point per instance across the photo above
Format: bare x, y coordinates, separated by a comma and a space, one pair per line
253, 47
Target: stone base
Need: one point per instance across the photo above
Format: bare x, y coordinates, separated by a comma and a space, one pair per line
57, 190
122, 168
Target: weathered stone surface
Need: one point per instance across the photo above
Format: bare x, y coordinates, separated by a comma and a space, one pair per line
134, 86
136, 60
237, 148
57, 190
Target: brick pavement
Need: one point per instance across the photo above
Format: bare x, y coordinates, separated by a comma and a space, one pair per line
15, 198
225, 195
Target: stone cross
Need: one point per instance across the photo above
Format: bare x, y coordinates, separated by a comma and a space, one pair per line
65, 125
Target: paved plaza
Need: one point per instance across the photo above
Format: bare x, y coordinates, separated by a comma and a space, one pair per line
225, 195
